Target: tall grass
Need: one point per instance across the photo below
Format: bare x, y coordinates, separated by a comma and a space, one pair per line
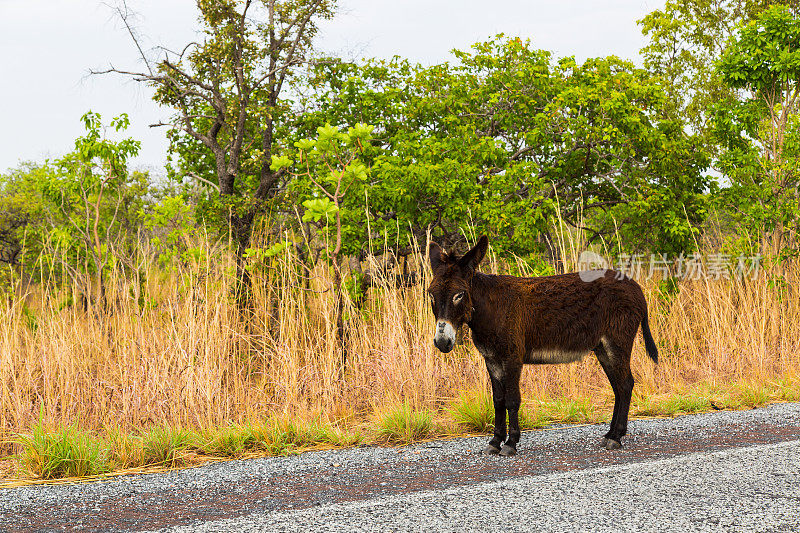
175, 351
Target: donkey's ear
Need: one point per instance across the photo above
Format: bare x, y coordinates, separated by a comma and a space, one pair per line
473, 258
436, 255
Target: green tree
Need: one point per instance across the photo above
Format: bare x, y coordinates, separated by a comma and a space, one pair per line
332, 173
90, 205
686, 37
508, 139
226, 92
21, 228
760, 133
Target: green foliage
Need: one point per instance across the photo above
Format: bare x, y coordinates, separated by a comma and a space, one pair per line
29, 317
22, 228
685, 38
759, 134
76, 216
504, 139
174, 231
259, 259
729, 69
279, 162
780, 287
669, 288
92, 203
763, 56
231, 122
319, 208
334, 181
355, 285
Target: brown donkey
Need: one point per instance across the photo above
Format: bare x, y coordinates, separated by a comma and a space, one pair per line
552, 319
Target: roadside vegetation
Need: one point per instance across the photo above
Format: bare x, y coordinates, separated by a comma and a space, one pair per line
186, 377
268, 297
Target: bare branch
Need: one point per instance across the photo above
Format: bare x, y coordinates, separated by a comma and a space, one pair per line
125, 14
201, 179
177, 54
290, 61
138, 76
191, 79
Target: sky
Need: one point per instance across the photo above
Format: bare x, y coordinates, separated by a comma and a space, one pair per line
48, 47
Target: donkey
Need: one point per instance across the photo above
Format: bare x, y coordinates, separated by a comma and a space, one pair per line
544, 320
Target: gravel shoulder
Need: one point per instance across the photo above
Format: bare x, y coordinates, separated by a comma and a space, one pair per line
710, 459
743, 489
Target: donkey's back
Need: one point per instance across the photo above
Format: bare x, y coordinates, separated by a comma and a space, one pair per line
564, 317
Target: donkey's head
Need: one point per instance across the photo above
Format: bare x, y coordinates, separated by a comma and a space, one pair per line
450, 290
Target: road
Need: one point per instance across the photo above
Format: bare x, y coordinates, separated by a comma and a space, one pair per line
733, 471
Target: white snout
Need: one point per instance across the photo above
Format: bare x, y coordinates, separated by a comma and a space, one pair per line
445, 337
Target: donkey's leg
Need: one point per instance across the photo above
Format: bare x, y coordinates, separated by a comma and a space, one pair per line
498, 398
617, 365
626, 391
605, 362
513, 371
625, 382
605, 355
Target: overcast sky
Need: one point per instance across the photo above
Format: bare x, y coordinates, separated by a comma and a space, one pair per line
48, 46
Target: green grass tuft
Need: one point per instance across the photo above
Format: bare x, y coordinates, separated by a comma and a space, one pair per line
318, 432
692, 402
165, 446
67, 452
695, 400
752, 395
401, 424
125, 450
473, 410
229, 441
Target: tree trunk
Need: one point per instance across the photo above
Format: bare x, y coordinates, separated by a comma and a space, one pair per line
341, 332
241, 230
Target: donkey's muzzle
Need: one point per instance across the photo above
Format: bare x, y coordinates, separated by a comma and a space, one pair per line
445, 338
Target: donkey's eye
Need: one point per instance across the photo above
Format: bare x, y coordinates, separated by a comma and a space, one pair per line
457, 298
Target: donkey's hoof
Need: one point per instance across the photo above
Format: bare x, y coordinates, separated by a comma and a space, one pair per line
491, 450
610, 444
508, 451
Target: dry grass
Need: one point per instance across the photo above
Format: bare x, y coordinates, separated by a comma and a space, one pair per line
187, 359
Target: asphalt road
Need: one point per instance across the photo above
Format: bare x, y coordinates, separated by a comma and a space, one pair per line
722, 471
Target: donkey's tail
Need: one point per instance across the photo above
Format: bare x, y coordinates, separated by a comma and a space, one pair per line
649, 343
